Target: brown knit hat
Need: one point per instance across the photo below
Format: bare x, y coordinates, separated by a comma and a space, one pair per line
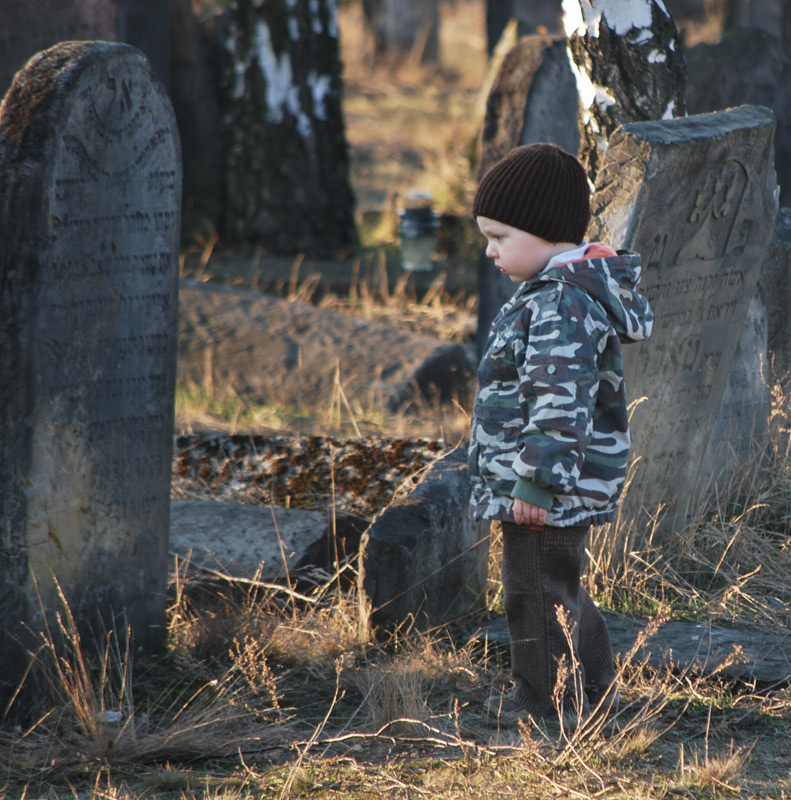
538, 188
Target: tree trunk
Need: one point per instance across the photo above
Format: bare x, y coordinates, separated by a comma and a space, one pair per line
629, 68
286, 157
401, 26
193, 92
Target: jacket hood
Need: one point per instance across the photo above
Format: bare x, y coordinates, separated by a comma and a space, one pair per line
611, 278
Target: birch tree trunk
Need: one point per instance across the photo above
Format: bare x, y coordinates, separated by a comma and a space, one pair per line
286, 157
629, 67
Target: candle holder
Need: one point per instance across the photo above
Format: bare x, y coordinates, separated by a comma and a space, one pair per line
418, 223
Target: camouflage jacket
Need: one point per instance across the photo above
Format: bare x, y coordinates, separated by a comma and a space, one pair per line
550, 423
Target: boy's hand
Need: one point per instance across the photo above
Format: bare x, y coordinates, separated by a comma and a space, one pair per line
528, 514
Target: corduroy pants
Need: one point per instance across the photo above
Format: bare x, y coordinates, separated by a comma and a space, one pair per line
541, 569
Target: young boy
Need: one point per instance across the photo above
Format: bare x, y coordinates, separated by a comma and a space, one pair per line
550, 434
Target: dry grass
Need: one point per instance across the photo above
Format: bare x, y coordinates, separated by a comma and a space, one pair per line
293, 691
288, 692
718, 566
276, 692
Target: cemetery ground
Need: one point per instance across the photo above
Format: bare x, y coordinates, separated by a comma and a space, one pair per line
286, 690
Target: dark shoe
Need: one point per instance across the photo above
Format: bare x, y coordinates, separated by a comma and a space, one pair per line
604, 700
509, 713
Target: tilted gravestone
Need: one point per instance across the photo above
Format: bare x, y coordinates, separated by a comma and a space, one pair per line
89, 235
29, 26
533, 99
697, 197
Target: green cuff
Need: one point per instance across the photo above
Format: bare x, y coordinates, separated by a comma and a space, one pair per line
528, 491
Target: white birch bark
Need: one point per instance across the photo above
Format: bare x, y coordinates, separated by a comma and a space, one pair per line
626, 57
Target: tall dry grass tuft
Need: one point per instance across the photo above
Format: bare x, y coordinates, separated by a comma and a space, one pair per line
731, 558
395, 694
88, 694
90, 711
292, 628
700, 771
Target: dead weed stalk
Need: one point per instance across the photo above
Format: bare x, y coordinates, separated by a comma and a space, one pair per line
90, 712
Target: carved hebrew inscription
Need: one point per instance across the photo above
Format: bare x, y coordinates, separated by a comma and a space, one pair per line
699, 277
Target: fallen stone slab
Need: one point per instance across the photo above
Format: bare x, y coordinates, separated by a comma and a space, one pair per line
264, 349
741, 652
422, 559
244, 542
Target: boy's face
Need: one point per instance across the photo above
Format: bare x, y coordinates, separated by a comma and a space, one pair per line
516, 253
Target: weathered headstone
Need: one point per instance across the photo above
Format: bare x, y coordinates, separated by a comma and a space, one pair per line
697, 198
533, 99
286, 158
749, 66
775, 284
29, 26
89, 235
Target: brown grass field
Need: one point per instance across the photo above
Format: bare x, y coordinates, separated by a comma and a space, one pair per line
287, 692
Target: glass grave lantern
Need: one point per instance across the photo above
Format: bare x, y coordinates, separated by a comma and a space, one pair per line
417, 227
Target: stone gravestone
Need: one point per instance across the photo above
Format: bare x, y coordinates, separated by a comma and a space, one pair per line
29, 26
533, 99
89, 235
697, 198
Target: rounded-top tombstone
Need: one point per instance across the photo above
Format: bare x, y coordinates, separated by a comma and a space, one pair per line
90, 173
